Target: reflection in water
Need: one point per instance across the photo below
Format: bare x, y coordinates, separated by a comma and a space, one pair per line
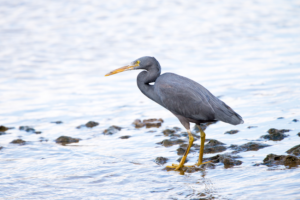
53, 58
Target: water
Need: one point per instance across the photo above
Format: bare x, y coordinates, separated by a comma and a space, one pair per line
53, 58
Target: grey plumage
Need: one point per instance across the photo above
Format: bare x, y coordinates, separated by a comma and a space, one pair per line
186, 99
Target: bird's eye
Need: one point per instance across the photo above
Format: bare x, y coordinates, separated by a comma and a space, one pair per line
137, 63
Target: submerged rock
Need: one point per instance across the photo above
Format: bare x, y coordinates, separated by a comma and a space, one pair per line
149, 123
67, 140
287, 160
227, 159
89, 124
42, 139
294, 150
275, 134
27, 129
112, 130
231, 132
280, 118
125, 136
251, 127
295, 120
168, 132
2, 133
18, 141
161, 160
250, 146
298, 134
186, 160
213, 146
1, 147
57, 122
171, 142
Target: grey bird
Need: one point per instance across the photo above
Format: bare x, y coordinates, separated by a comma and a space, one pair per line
189, 101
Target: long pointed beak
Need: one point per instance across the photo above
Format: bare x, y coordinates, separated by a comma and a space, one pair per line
121, 69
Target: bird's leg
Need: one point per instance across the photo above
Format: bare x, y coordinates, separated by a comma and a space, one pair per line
200, 161
181, 164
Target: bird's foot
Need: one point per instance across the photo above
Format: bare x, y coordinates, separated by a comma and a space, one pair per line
201, 163
177, 167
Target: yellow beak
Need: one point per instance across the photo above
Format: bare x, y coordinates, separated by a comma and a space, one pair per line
122, 69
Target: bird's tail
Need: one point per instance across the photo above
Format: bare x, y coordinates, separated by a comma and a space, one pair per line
227, 114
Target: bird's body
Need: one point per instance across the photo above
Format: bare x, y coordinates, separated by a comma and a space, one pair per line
186, 99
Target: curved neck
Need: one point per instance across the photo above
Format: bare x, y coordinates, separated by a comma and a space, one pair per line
146, 77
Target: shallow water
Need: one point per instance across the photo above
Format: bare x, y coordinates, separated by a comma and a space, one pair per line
53, 58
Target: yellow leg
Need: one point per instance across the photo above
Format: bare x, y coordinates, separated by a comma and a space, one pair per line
200, 161
181, 164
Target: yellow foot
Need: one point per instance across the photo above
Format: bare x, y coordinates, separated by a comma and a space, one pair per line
178, 167
198, 164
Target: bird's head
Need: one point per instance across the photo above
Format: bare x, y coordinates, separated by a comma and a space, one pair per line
145, 63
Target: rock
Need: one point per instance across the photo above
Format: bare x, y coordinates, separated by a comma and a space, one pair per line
203, 127
18, 141
89, 124
57, 122
280, 118
287, 160
231, 132
171, 142
4, 128
250, 146
179, 159
227, 159
295, 150
149, 123
168, 132
298, 134
295, 120
125, 136
2, 133
251, 127
67, 140
42, 139
161, 160
180, 151
112, 130
1, 147
275, 134
27, 129
213, 146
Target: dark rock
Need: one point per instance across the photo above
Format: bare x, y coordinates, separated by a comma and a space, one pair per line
295, 120
213, 142
213, 146
111, 130
250, 146
177, 128
171, 142
38, 132
280, 118
57, 122
153, 123
27, 129
231, 132
138, 123
295, 150
168, 132
275, 134
1, 147
161, 160
125, 136
298, 134
287, 160
66, 140
89, 124
227, 159
179, 159
18, 141
251, 127
4, 128
181, 151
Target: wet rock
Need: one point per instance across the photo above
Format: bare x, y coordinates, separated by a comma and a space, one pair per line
179, 159
231, 132
168, 132
298, 134
4, 128
275, 134
149, 123
295, 150
176, 128
57, 122
67, 140
295, 120
1, 147
161, 160
125, 136
112, 130
227, 159
250, 146
287, 160
171, 142
42, 139
251, 127
18, 141
181, 151
89, 124
27, 129
280, 118
213, 146
2, 133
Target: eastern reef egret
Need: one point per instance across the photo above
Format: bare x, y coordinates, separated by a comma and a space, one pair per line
186, 99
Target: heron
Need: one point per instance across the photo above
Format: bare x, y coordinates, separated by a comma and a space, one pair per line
188, 100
